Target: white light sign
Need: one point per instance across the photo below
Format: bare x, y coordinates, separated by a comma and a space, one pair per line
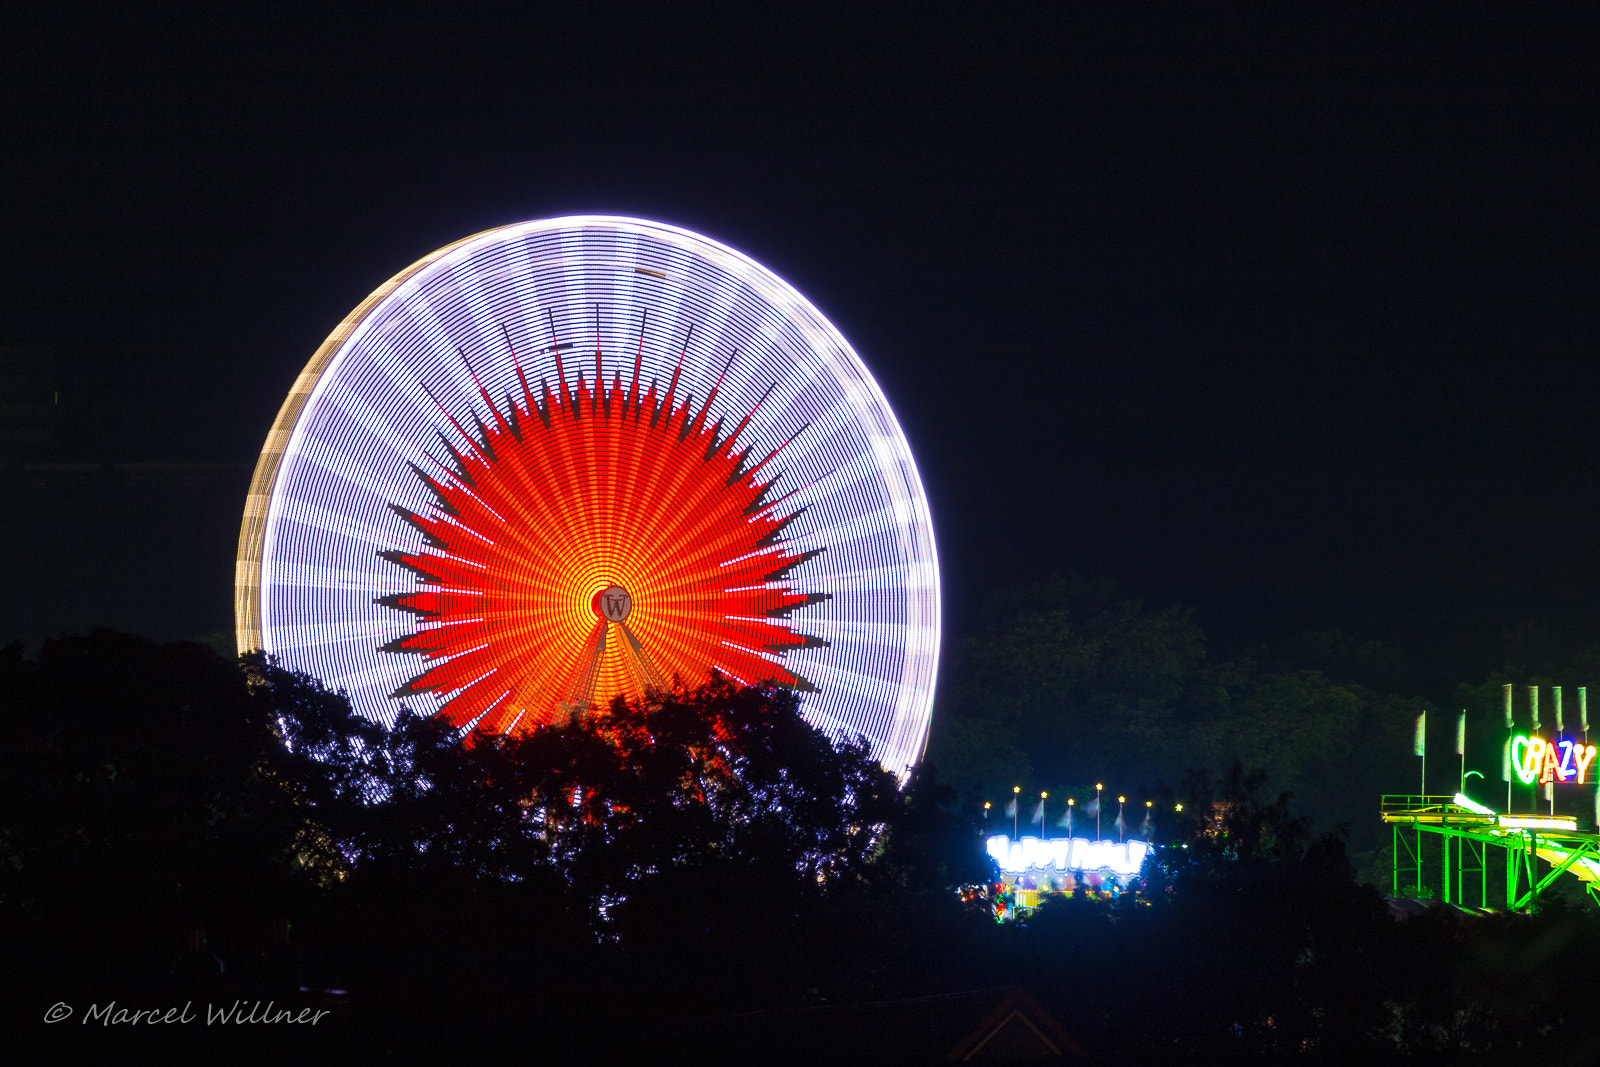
1067, 854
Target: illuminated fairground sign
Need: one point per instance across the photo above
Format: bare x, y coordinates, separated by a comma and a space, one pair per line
1536, 760
1067, 854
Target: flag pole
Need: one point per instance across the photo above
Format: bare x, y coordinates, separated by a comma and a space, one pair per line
1561, 728
1506, 762
1583, 724
1533, 710
1419, 748
1461, 748
1097, 787
1016, 805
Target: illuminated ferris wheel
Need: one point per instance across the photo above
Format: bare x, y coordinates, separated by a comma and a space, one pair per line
572, 458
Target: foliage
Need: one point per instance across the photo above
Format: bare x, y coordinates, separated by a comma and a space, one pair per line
1075, 678
179, 825
1070, 683
711, 783
146, 774
927, 850
166, 778
1254, 938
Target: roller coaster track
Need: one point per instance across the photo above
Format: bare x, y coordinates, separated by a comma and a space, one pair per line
1466, 831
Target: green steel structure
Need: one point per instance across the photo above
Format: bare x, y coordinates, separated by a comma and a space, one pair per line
1466, 832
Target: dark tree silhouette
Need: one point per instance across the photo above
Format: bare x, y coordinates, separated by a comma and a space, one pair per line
143, 787
173, 825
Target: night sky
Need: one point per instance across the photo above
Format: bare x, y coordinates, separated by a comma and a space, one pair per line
1292, 319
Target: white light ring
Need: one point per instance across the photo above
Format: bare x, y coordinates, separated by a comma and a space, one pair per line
903, 741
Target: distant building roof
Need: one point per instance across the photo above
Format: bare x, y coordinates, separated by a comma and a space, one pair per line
979, 1025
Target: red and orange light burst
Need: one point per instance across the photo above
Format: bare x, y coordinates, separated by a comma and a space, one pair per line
559, 500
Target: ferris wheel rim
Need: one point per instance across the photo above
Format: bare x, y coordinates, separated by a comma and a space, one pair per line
281, 443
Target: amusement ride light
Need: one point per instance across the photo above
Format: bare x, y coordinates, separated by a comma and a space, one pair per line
1538, 822
575, 458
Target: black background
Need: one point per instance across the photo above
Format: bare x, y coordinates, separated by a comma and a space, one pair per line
1286, 314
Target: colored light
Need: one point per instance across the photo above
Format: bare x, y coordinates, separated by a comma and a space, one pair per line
1564, 767
1538, 822
1066, 853
1520, 748
530, 607
1461, 800
484, 413
1534, 759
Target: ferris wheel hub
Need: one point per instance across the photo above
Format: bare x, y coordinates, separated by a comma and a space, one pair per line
613, 603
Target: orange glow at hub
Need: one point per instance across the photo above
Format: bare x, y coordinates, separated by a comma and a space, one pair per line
591, 544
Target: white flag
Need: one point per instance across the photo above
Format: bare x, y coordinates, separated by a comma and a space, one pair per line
1461, 733
1011, 808
1038, 814
1419, 743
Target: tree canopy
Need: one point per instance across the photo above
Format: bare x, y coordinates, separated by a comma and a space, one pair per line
184, 827
1068, 682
